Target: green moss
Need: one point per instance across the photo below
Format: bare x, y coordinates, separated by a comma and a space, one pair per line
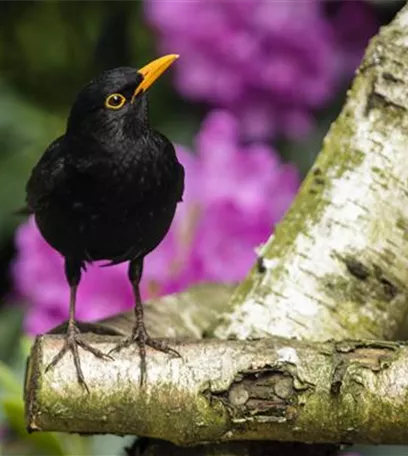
383, 178
375, 290
380, 172
402, 224
118, 412
361, 412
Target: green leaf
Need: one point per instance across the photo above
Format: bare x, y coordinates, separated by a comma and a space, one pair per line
46, 443
25, 132
25, 346
11, 320
9, 383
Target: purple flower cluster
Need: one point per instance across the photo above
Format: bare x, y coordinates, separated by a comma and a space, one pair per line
234, 196
271, 63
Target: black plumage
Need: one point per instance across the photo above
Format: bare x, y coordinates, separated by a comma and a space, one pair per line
108, 189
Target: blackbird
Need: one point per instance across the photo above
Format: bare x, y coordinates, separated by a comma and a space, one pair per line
108, 190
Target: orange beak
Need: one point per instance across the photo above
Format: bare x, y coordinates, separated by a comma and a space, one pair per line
153, 71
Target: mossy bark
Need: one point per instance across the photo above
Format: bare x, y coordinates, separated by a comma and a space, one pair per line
336, 268
337, 265
268, 389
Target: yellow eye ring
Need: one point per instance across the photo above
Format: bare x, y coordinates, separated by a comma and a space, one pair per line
115, 101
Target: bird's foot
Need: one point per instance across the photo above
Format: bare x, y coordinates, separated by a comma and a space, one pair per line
71, 342
142, 339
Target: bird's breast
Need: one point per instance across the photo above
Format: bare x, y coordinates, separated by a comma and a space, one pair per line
115, 203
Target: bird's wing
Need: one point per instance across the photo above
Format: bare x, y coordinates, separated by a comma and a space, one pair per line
179, 175
180, 189
47, 178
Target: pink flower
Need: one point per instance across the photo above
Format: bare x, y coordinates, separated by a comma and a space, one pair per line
271, 63
234, 196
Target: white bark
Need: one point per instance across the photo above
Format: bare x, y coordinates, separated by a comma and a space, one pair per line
337, 265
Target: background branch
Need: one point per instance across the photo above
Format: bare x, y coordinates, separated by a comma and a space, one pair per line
187, 314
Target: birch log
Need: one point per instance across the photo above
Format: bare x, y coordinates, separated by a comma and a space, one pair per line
268, 389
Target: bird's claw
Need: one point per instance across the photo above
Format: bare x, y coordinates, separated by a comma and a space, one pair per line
142, 339
71, 343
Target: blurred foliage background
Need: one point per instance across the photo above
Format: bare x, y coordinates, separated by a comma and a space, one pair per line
48, 50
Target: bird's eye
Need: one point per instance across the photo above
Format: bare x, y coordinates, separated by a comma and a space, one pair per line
115, 101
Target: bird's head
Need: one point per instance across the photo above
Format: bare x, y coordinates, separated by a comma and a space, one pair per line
116, 99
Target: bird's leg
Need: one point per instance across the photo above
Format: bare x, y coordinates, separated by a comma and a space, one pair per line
72, 340
139, 333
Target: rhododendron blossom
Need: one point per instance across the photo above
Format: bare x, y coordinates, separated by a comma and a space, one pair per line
271, 63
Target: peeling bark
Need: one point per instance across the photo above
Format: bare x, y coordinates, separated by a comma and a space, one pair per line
268, 389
